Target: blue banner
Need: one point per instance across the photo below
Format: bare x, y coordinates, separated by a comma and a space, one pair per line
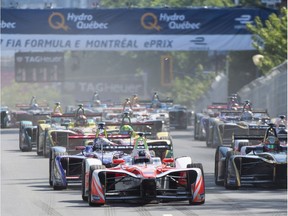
128, 29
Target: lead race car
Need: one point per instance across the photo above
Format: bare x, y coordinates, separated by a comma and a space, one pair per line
142, 177
253, 160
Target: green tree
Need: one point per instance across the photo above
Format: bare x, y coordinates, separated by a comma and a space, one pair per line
165, 3
21, 93
273, 39
187, 90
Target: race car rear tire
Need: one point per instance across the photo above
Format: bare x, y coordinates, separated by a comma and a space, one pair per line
27, 149
39, 153
191, 179
50, 169
92, 168
195, 128
45, 154
55, 187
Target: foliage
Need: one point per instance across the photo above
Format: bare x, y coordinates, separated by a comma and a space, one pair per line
164, 3
273, 33
255, 3
20, 93
187, 90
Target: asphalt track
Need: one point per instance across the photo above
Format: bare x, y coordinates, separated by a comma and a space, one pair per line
25, 189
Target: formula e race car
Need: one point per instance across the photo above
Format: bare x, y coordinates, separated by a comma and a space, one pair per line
221, 128
179, 117
5, 117
65, 162
28, 132
144, 178
27, 136
253, 160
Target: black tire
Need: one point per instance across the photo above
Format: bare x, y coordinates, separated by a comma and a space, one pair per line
200, 166
195, 129
29, 148
227, 186
45, 154
84, 197
56, 187
216, 169
50, 169
39, 153
92, 168
209, 136
20, 146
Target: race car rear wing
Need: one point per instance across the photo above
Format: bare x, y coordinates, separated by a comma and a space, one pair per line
93, 136
281, 137
217, 105
120, 109
160, 145
150, 127
72, 115
149, 101
41, 105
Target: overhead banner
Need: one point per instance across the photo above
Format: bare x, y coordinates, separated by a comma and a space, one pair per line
128, 29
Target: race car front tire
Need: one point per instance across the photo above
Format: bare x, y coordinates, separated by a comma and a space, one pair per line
216, 169
226, 184
191, 180
55, 187
92, 168
84, 197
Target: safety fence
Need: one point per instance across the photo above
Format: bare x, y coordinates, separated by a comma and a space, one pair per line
268, 92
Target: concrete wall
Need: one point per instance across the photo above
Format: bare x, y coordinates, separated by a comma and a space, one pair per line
268, 92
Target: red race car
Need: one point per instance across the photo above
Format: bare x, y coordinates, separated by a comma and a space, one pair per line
143, 177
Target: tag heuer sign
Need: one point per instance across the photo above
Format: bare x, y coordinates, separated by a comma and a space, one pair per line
39, 67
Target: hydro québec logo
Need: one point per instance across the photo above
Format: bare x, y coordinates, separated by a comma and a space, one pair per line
178, 21
8, 25
86, 21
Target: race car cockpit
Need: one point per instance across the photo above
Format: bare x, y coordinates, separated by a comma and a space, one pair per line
246, 116
143, 156
271, 141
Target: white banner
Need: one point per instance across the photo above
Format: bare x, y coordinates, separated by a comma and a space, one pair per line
12, 42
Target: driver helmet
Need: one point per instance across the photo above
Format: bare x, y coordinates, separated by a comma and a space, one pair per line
35, 106
142, 157
81, 120
101, 125
247, 116
97, 103
126, 129
271, 144
88, 151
